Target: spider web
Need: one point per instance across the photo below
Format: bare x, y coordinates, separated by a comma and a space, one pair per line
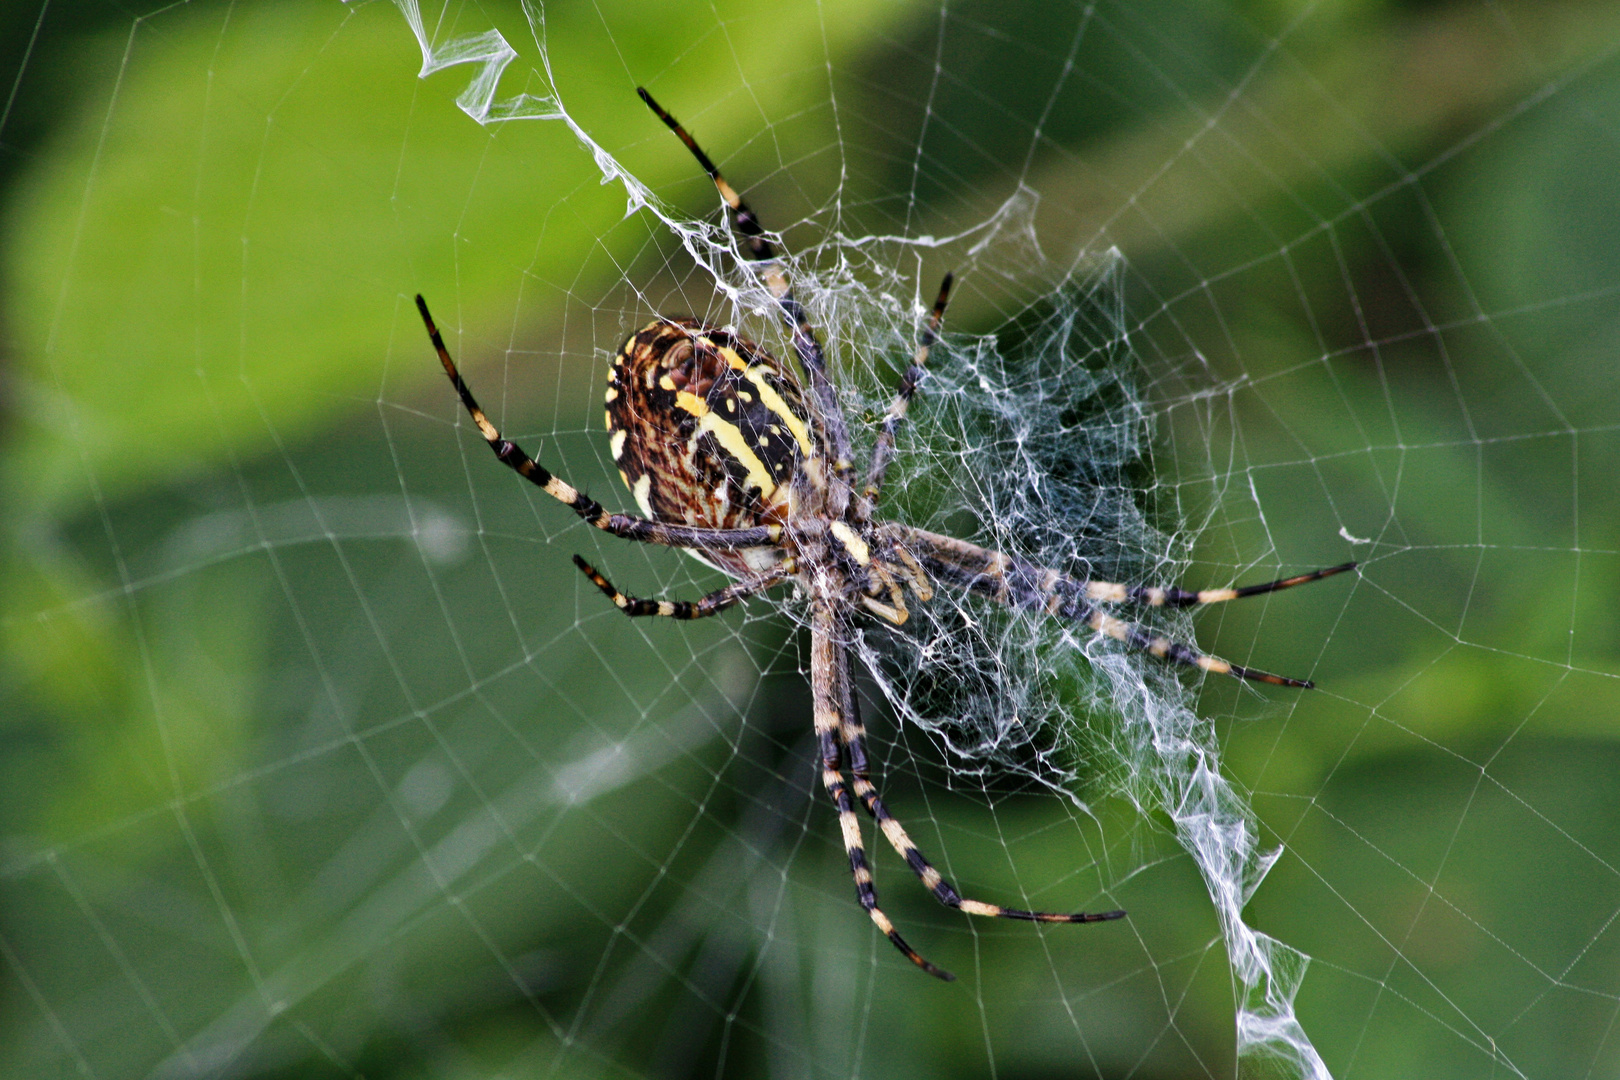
320, 758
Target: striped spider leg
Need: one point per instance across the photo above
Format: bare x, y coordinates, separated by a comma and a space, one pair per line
839, 734
669, 534
1018, 583
852, 736
883, 449
703, 607
830, 697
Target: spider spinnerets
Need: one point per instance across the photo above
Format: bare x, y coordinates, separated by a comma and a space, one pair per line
731, 457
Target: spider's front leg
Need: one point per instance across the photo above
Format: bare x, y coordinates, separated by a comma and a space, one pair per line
627, 526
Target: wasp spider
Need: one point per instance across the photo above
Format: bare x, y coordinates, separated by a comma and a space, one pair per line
733, 458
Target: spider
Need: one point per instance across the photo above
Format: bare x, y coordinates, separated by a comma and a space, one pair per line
735, 459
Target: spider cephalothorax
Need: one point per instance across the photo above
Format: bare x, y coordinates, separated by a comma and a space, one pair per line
733, 457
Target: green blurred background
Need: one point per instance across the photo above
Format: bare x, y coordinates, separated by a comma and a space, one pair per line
318, 758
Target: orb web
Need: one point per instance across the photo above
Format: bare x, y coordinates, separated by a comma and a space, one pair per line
321, 756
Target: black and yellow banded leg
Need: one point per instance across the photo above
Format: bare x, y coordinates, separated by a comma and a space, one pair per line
712, 604
1019, 583
1110, 593
853, 735
883, 449
828, 679
759, 248
865, 889
1139, 639
624, 525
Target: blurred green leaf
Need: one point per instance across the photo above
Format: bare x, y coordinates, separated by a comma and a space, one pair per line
217, 256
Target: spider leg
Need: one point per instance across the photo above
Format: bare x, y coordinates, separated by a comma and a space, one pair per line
1135, 637
759, 248
853, 735
712, 604
625, 525
828, 679
1108, 592
1019, 583
805, 345
883, 449
916, 576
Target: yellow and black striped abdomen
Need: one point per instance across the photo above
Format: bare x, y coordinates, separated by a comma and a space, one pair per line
708, 429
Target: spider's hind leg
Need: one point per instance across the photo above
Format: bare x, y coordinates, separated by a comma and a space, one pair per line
758, 249
512, 455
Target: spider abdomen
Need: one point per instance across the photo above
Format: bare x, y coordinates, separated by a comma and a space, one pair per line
708, 429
